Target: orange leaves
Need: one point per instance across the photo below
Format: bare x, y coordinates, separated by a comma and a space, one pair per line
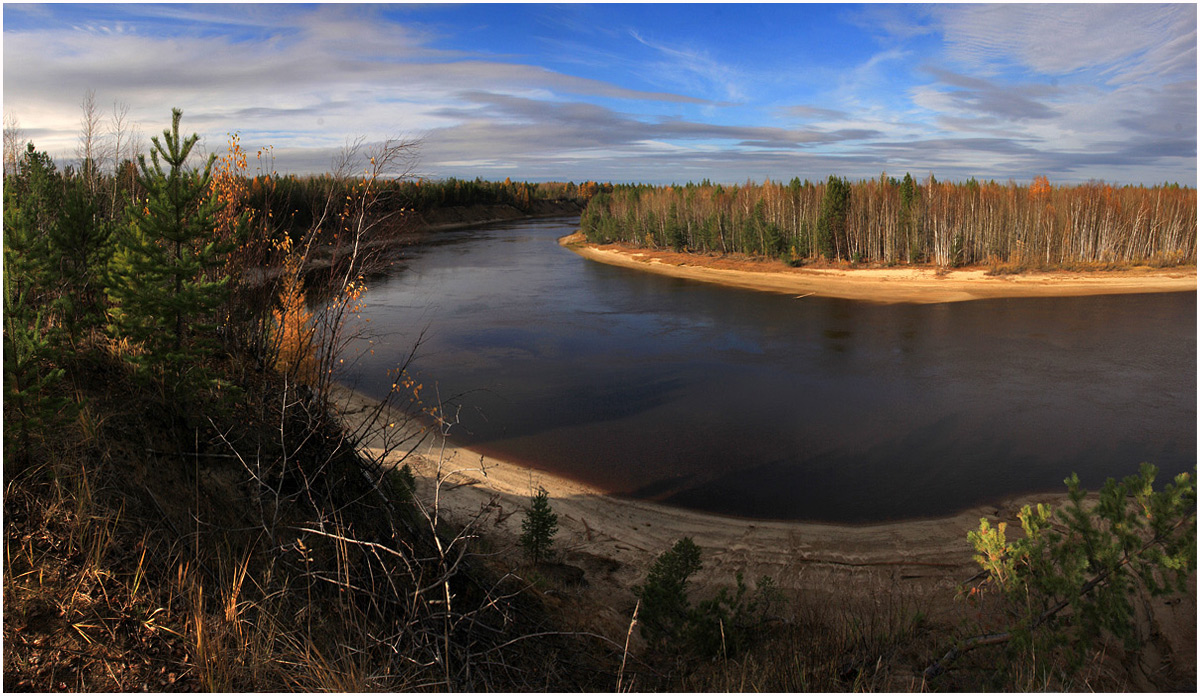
296, 354
228, 186
588, 189
1040, 188
294, 330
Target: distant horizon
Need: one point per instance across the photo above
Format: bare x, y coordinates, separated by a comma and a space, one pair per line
638, 94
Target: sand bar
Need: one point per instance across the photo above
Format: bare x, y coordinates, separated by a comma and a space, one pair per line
919, 285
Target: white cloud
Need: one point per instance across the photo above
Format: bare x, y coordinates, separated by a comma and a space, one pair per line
316, 79
985, 102
1121, 39
695, 69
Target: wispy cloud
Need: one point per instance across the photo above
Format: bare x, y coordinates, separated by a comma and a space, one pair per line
694, 68
1123, 41
806, 112
326, 73
957, 94
1080, 91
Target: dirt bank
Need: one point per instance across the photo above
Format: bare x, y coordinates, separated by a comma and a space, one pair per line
887, 285
614, 540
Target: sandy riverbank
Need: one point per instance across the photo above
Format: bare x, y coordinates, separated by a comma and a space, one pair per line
887, 285
616, 539
916, 563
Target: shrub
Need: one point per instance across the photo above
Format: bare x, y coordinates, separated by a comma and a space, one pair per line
665, 607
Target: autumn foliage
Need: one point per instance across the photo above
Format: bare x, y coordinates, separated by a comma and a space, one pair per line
889, 221
295, 354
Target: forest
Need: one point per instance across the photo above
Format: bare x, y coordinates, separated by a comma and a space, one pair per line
186, 508
890, 221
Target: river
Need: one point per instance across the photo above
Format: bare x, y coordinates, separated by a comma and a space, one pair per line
770, 406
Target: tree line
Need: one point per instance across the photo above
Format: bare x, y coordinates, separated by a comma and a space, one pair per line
297, 200
903, 221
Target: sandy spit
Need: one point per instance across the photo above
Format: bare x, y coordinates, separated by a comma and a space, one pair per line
920, 285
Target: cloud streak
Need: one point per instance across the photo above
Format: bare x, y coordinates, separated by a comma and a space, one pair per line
1076, 92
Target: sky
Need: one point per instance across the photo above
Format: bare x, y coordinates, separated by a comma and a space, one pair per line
634, 93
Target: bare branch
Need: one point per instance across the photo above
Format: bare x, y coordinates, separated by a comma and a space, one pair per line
12, 143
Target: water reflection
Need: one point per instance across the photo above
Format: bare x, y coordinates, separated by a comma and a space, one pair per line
767, 405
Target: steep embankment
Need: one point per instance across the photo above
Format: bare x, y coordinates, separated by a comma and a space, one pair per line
889, 285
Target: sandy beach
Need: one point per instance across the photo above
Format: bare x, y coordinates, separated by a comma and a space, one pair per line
613, 540
623, 535
886, 285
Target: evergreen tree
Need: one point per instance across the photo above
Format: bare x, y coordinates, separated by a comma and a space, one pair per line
30, 404
82, 242
908, 217
539, 526
831, 226
675, 232
1078, 572
31, 199
665, 607
720, 625
161, 296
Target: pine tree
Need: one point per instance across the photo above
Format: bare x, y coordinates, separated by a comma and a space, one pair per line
82, 242
908, 223
665, 606
1078, 573
161, 296
30, 404
675, 233
30, 214
539, 526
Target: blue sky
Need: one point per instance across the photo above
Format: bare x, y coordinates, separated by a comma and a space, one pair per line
652, 93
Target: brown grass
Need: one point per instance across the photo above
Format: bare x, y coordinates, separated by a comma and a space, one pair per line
150, 549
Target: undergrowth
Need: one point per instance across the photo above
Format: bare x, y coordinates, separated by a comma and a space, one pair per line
146, 550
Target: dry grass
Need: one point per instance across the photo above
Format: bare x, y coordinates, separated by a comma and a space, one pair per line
145, 550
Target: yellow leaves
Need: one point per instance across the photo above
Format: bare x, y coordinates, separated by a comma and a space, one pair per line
1040, 188
296, 353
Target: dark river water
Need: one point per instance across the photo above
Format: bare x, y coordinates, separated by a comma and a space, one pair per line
768, 406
